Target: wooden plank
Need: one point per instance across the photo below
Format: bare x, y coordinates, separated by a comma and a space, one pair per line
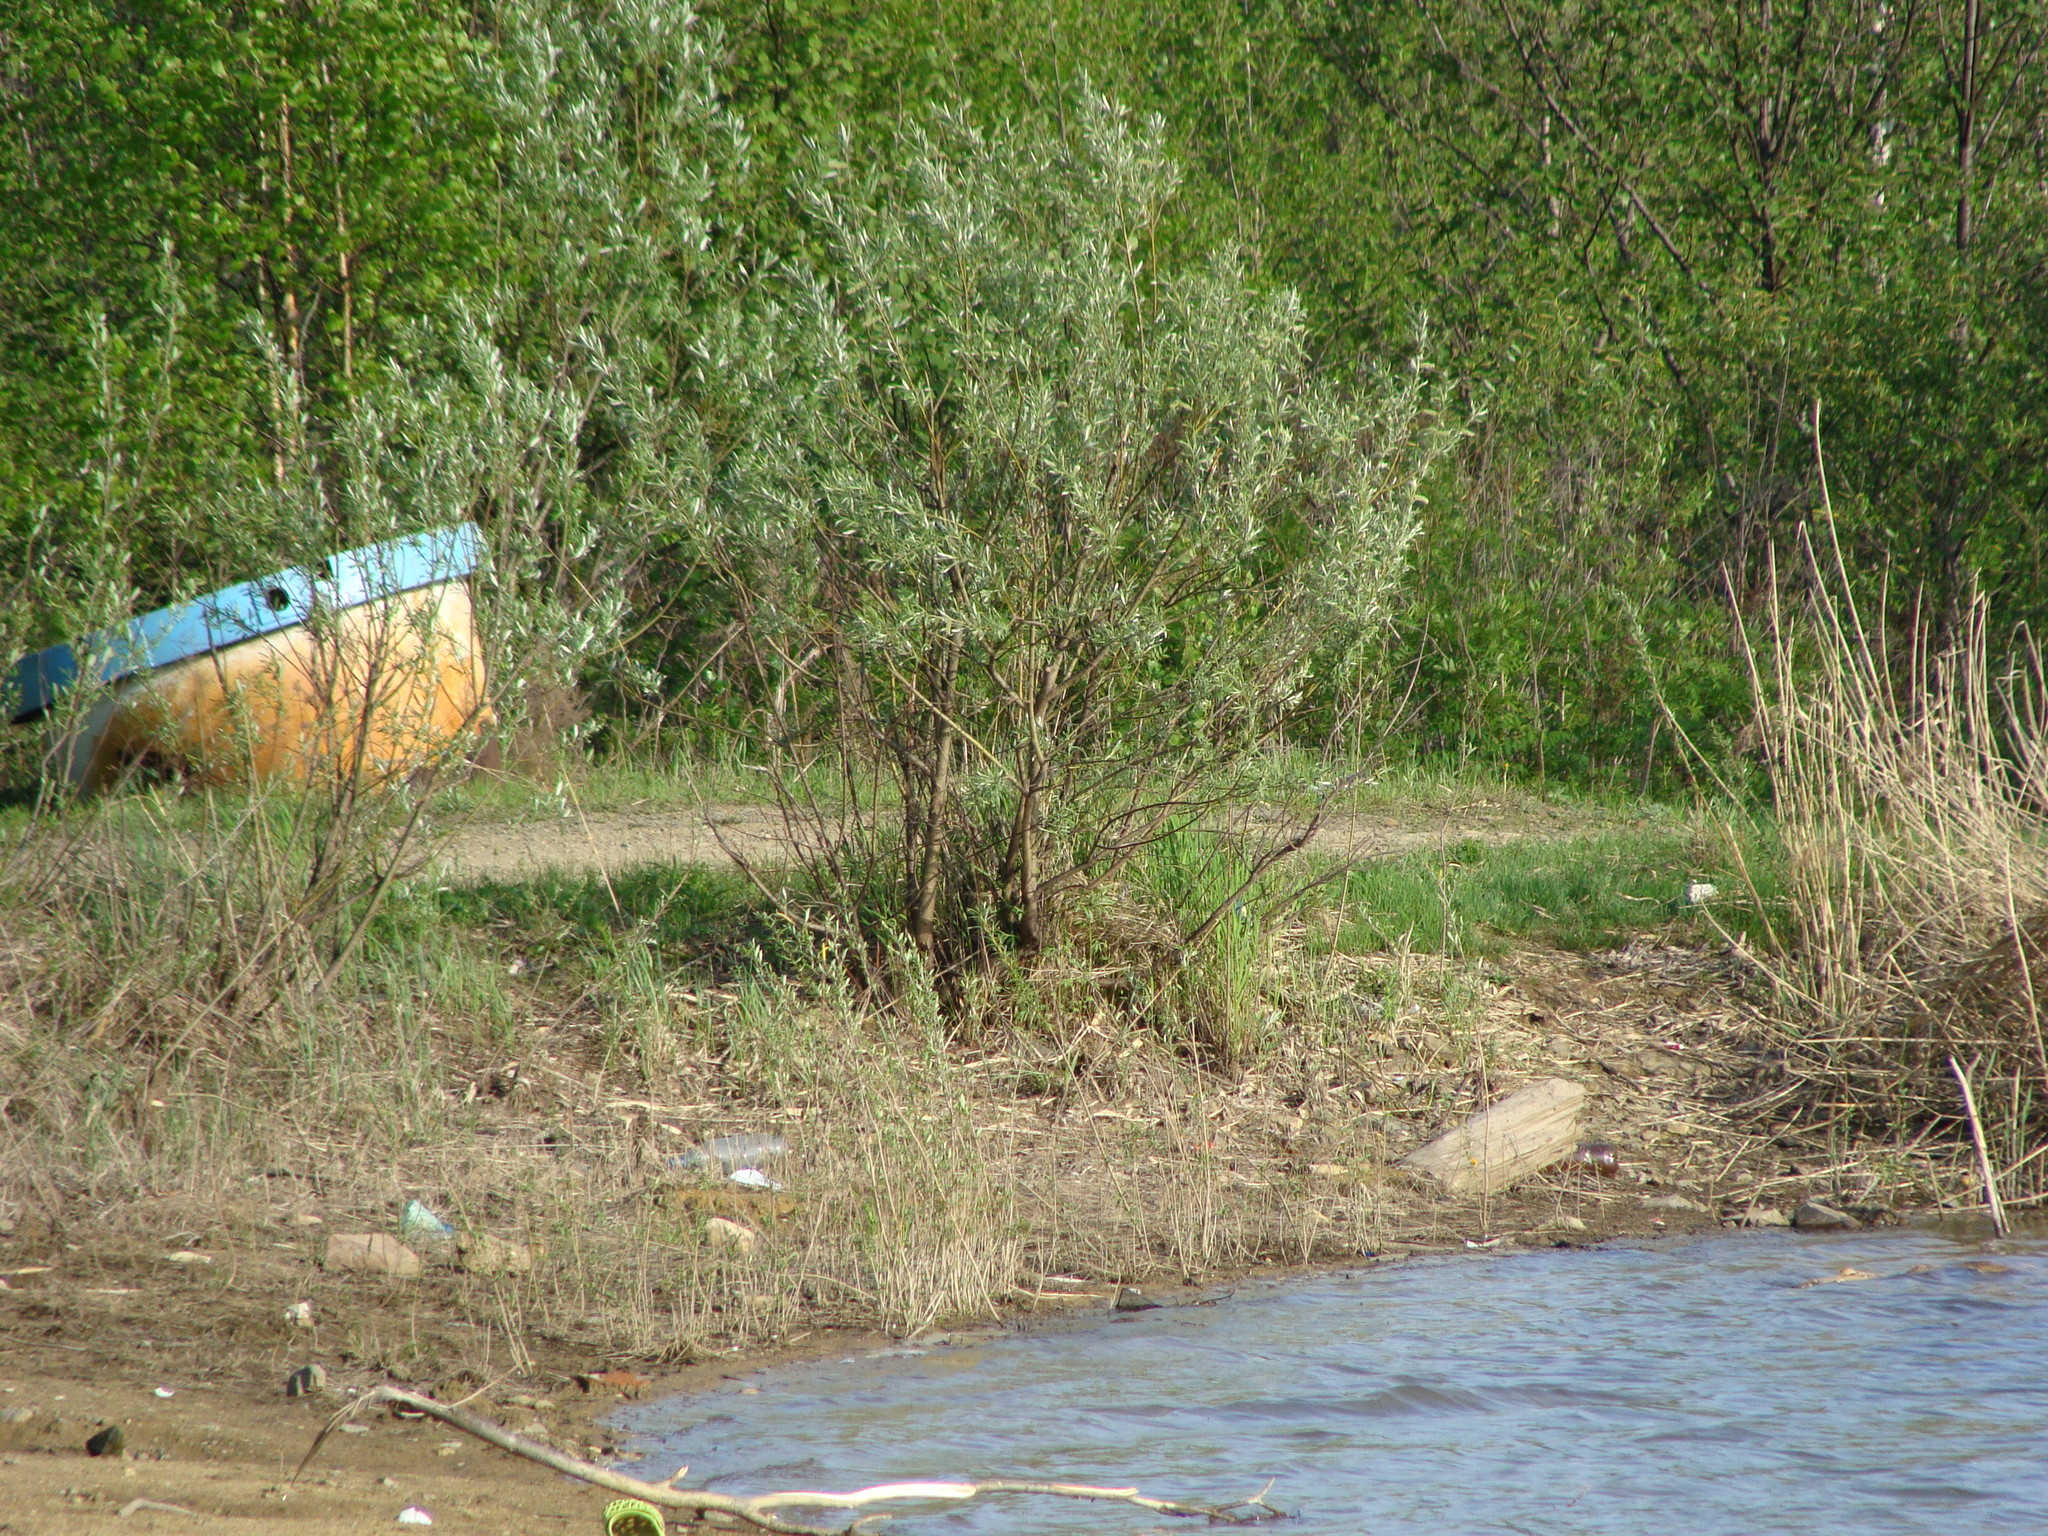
1525, 1131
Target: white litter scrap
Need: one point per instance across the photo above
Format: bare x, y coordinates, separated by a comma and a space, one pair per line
419, 1224
1699, 893
412, 1514
753, 1178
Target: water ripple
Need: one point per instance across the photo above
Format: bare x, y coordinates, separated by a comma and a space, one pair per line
1697, 1388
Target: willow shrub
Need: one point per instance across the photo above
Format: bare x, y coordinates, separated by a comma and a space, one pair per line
1039, 536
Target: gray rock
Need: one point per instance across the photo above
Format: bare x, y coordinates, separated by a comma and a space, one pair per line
1672, 1203
1815, 1217
1764, 1216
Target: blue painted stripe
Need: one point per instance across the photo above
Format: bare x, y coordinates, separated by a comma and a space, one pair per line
238, 613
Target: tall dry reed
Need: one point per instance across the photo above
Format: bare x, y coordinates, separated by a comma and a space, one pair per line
1910, 783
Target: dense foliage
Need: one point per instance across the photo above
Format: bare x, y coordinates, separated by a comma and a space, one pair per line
1651, 239
1039, 537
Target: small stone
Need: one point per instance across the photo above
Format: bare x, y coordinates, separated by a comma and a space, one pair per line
377, 1253
1764, 1216
1672, 1202
731, 1236
481, 1254
108, 1442
1815, 1217
16, 1415
299, 1314
306, 1381
1846, 1275
1130, 1299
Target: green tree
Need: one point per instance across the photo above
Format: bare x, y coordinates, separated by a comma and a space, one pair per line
317, 171
1042, 532
1777, 204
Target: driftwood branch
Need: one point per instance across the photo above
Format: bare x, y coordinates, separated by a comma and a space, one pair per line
760, 1509
1523, 1132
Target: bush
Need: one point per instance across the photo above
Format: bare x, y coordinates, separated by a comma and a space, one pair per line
1039, 539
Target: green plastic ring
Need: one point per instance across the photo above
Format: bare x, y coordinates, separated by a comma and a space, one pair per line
630, 1517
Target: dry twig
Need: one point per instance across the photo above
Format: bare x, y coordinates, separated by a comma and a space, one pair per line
760, 1510
1991, 1200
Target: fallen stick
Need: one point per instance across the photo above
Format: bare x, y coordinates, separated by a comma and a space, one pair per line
759, 1510
1998, 1222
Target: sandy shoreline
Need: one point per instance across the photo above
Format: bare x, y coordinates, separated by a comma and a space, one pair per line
100, 1312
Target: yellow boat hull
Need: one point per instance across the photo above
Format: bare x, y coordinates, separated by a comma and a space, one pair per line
379, 690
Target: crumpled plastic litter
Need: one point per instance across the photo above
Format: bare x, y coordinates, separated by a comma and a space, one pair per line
730, 1152
419, 1224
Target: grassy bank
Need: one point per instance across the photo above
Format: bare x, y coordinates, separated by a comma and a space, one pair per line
527, 1056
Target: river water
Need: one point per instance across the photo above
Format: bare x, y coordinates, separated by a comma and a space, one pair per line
1693, 1388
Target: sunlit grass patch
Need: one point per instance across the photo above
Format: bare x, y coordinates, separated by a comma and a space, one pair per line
1581, 893
686, 913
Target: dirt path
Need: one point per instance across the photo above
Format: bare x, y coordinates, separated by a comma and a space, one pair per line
611, 841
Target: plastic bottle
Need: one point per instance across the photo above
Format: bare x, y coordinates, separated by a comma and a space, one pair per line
1599, 1156
748, 1150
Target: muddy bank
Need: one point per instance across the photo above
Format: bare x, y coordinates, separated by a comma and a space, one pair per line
106, 1305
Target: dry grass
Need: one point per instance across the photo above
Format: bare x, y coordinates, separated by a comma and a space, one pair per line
932, 1178
1910, 793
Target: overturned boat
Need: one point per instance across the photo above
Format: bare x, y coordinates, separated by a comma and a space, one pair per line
364, 664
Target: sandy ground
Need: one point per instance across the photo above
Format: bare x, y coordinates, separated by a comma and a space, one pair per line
223, 1454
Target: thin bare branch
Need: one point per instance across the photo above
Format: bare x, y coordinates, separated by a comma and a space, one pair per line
759, 1510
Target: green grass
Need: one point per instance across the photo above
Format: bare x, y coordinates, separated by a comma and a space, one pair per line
1581, 893
690, 916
